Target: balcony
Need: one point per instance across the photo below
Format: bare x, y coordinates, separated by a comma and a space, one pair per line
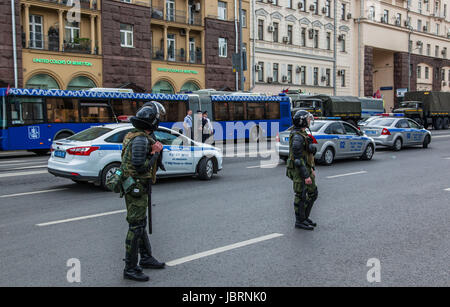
177, 16
81, 45
50, 43
178, 55
84, 4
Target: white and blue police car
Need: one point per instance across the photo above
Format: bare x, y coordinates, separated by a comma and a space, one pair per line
95, 154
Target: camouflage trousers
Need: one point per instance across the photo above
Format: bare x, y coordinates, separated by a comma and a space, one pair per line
305, 194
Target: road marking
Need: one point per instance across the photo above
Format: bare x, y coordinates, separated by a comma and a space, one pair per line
447, 158
23, 174
25, 167
222, 249
243, 154
447, 190
263, 165
19, 164
349, 174
81, 218
31, 193
440, 136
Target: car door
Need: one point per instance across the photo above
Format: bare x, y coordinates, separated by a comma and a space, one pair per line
418, 133
354, 141
177, 153
336, 135
405, 131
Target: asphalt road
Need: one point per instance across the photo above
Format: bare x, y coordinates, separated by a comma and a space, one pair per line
394, 208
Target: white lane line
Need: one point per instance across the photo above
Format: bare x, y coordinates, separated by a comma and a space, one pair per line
440, 136
20, 164
81, 218
23, 174
222, 249
25, 167
247, 154
263, 165
31, 193
447, 190
447, 158
349, 174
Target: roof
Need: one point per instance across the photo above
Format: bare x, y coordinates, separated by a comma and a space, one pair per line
240, 98
92, 94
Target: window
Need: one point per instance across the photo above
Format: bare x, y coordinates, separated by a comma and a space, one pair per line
170, 10
290, 4
386, 16
171, 47
289, 74
118, 137
328, 41
419, 25
272, 110
261, 72
343, 78
350, 130
427, 72
95, 112
328, 8
316, 6
125, 107
80, 83
175, 112
89, 134
437, 29
237, 110
303, 5
343, 44
444, 52
402, 124
221, 111
335, 128
222, 10
303, 75
420, 6
303, 37
443, 75
255, 111
289, 34
126, 35
168, 138
42, 81
413, 124
223, 47
316, 76
275, 72
436, 52
31, 110
328, 76
419, 72
316, 38
163, 87
244, 18
36, 38
72, 31
2, 113
371, 13
260, 29
343, 9
275, 32
428, 49
398, 19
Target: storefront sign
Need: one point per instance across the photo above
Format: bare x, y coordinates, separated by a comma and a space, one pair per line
62, 62
181, 71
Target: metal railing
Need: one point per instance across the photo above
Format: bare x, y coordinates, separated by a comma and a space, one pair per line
178, 55
79, 46
157, 54
44, 42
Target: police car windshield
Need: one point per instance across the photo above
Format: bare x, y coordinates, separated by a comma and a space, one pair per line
383, 122
316, 126
89, 134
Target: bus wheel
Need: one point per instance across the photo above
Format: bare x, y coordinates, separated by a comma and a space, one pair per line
40, 152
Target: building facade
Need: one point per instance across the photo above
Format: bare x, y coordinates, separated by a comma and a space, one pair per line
302, 45
161, 46
401, 45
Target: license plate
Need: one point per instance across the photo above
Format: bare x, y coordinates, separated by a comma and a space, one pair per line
370, 132
60, 154
286, 139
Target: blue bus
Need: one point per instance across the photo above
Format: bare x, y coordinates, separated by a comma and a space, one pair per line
30, 119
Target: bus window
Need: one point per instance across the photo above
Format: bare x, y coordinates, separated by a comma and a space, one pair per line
62, 110
255, 111
27, 110
221, 111
2, 113
272, 110
175, 111
95, 112
124, 107
237, 111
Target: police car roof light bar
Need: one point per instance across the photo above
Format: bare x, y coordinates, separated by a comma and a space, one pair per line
327, 118
393, 114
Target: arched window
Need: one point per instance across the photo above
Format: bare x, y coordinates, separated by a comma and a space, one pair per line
189, 87
163, 87
80, 83
42, 81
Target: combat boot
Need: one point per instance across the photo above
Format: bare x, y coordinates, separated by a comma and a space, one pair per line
310, 223
145, 250
132, 270
300, 219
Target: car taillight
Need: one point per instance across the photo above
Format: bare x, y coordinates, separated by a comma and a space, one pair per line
82, 151
277, 139
385, 132
313, 139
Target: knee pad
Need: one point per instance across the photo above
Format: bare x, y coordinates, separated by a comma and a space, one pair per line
312, 196
138, 228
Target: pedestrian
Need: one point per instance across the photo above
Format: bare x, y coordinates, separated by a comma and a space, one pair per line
207, 128
187, 125
140, 155
301, 170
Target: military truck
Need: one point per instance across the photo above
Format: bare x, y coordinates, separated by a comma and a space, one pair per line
348, 108
427, 108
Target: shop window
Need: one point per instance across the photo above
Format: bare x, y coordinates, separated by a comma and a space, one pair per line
221, 111
42, 81
80, 83
163, 87
255, 111
61, 110
189, 87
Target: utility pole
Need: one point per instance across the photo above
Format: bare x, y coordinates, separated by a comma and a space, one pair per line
241, 47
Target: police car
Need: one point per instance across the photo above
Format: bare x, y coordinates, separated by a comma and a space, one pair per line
95, 154
395, 131
334, 139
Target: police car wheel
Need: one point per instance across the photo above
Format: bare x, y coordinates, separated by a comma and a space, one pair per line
426, 141
368, 153
398, 144
205, 169
328, 156
107, 172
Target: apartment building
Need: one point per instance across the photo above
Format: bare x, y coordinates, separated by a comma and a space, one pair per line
163, 46
401, 45
302, 45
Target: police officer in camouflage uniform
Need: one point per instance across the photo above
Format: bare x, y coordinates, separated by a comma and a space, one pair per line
301, 170
140, 155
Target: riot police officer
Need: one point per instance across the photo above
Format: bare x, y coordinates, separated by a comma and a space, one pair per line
301, 169
140, 155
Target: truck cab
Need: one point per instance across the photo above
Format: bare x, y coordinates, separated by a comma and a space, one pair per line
313, 106
412, 109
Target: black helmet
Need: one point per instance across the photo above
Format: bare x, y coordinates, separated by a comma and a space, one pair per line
300, 119
148, 117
